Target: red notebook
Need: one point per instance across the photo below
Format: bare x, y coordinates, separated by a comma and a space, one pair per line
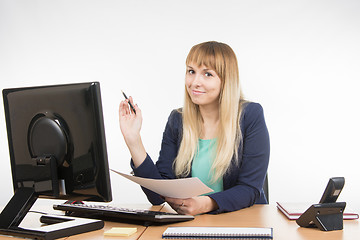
294, 210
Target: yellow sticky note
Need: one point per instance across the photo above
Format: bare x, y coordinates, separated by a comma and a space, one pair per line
120, 231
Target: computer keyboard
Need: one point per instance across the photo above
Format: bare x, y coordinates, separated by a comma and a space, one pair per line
115, 213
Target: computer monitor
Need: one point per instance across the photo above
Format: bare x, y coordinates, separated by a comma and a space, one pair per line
57, 143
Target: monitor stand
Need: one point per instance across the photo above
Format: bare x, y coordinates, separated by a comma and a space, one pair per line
57, 226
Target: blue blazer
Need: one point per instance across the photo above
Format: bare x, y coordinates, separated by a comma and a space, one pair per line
243, 184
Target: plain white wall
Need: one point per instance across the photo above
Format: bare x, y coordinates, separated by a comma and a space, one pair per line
299, 59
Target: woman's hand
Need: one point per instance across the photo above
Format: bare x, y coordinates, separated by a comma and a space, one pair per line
192, 206
130, 125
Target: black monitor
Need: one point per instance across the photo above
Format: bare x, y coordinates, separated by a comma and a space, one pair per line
57, 144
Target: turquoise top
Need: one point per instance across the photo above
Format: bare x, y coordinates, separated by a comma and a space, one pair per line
202, 162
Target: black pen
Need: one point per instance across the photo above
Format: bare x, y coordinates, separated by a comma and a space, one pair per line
132, 107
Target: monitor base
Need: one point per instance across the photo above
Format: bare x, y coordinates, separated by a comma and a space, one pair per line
57, 226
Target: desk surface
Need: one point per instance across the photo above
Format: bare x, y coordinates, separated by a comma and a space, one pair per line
262, 216
255, 216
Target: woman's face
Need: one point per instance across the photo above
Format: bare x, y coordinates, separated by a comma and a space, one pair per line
203, 85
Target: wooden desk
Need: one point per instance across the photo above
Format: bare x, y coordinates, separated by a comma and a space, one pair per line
255, 216
99, 234
262, 216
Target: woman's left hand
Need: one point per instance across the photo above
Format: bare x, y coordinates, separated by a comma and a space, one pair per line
192, 206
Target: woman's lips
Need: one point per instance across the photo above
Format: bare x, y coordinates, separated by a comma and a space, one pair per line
197, 92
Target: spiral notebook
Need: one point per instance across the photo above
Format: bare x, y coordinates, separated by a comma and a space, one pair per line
217, 233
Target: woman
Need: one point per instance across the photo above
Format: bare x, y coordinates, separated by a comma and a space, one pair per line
217, 136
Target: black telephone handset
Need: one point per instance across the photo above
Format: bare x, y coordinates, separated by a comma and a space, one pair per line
332, 190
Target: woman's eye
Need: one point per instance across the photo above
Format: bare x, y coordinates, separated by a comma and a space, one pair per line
208, 74
191, 71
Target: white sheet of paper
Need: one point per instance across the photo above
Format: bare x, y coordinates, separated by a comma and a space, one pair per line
175, 188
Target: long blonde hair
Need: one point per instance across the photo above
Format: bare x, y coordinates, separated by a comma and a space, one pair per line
222, 59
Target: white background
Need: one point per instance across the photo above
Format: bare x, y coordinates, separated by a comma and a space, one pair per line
299, 59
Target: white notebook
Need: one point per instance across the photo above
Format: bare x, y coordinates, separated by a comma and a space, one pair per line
217, 233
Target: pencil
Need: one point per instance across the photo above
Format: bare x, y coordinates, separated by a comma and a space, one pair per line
131, 106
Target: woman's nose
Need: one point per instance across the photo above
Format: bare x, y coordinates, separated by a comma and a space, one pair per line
197, 80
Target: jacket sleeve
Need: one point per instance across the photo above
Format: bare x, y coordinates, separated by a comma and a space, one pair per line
243, 186
163, 167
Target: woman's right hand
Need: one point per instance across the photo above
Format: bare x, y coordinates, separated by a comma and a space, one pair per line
130, 125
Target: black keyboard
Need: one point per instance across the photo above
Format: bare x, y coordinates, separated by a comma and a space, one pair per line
115, 213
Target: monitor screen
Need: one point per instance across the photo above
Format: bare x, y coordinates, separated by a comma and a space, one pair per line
57, 141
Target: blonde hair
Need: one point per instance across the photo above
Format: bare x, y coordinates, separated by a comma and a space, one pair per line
222, 59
